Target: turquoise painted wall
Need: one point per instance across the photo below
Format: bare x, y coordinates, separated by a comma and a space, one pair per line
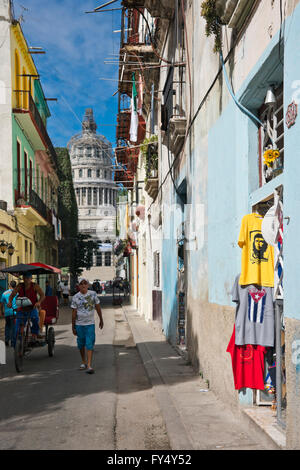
233, 175
292, 171
17, 134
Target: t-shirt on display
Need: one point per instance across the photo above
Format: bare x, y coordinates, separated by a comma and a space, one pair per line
257, 255
247, 364
255, 318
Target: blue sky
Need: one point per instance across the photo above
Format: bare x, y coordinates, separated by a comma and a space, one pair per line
76, 46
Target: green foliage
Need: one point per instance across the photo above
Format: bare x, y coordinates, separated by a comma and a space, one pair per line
67, 208
75, 250
84, 248
67, 205
149, 150
213, 22
146, 141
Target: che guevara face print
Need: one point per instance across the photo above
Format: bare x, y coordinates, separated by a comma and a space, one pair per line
258, 248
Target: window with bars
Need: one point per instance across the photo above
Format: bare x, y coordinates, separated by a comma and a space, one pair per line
156, 267
271, 136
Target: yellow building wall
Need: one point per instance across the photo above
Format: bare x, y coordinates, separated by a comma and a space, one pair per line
22, 63
14, 230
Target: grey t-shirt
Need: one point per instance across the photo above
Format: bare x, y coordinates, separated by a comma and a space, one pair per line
254, 321
85, 305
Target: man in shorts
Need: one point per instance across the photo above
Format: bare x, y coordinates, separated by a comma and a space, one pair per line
83, 307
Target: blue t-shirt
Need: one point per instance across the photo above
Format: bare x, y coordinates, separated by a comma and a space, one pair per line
4, 300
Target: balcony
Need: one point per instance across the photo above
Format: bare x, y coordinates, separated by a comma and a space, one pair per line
31, 121
157, 8
234, 12
151, 181
151, 186
177, 128
33, 208
173, 118
123, 125
138, 39
124, 177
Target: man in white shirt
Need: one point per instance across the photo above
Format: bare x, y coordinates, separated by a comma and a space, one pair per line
83, 307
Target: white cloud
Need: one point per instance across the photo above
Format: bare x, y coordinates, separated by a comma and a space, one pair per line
76, 45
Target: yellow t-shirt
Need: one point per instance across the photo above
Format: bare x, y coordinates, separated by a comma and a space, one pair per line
257, 255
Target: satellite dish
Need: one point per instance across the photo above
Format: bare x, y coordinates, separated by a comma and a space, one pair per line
270, 226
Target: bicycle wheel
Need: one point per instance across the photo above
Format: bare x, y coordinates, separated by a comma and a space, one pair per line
51, 341
19, 352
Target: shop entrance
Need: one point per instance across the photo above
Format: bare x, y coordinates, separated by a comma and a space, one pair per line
274, 394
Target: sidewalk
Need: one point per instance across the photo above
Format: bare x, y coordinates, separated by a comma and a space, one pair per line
195, 418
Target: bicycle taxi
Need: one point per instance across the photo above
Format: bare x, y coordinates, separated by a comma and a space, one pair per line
24, 344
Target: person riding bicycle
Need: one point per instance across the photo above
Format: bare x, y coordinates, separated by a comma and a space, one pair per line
30, 290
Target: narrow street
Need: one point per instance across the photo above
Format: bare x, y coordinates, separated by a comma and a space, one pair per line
53, 405
143, 396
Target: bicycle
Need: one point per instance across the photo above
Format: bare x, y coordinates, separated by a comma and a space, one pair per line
22, 340
23, 345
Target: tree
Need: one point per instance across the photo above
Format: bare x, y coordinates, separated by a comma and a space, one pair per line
84, 248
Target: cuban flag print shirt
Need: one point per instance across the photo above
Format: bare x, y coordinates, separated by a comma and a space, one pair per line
255, 321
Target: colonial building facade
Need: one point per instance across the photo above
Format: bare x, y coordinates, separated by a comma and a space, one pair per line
96, 193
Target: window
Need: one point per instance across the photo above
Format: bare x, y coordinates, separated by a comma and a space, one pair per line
30, 175
108, 259
78, 195
83, 202
99, 258
25, 174
18, 79
105, 174
105, 195
25, 87
98, 173
37, 183
80, 173
19, 167
95, 191
156, 266
89, 173
89, 196
273, 118
73, 174
100, 197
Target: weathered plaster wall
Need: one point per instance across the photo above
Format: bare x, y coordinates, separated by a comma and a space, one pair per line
6, 181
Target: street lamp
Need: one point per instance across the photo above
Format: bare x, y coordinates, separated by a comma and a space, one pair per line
10, 249
3, 246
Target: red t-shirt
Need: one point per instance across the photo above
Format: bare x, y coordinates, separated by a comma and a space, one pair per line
247, 364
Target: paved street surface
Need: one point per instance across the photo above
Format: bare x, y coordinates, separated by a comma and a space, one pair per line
53, 405
142, 396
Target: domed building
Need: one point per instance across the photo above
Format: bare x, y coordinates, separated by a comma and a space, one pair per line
92, 169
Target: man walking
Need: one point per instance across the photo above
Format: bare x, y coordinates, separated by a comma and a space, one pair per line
83, 307
9, 314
